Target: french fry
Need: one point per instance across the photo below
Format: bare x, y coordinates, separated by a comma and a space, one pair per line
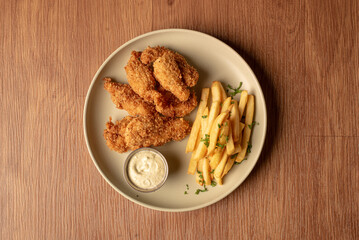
216, 91
216, 158
226, 104
199, 172
202, 148
215, 131
228, 166
235, 121
242, 103
197, 122
219, 169
193, 162
204, 120
230, 143
237, 147
247, 131
223, 93
241, 127
206, 170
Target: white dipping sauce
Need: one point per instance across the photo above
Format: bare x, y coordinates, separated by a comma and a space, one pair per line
146, 169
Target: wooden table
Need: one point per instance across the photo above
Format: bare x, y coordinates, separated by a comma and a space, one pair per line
306, 57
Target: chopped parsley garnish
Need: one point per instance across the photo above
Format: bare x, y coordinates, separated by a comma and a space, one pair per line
204, 116
226, 124
249, 147
227, 138
201, 190
220, 145
234, 155
213, 184
187, 186
253, 123
235, 90
205, 140
212, 171
219, 125
185, 192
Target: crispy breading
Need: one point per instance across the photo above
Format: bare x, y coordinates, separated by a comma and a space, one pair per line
189, 73
132, 133
140, 78
170, 106
125, 98
167, 73
150, 54
114, 134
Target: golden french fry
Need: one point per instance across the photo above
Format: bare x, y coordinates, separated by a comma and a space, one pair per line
235, 120
219, 169
206, 175
193, 162
241, 127
228, 166
226, 104
202, 147
215, 131
216, 158
223, 93
242, 103
237, 147
230, 142
204, 121
199, 172
196, 125
216, 91
247, 131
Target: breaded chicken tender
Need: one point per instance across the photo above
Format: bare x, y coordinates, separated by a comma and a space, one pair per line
132, 133
170, 106
114, 134
167, 73
140, 78
125, 98
189, 73
150, 54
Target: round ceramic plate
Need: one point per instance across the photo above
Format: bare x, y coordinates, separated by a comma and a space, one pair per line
215, 61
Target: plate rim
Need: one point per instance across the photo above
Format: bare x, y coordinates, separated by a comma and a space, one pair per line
164, 209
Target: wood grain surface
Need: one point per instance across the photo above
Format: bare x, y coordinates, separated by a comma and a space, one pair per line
306, 57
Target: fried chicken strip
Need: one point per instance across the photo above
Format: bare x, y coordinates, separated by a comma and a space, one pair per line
140, 78
125, 98
114, 134
167, 73
189, 73
170, 106
132, 133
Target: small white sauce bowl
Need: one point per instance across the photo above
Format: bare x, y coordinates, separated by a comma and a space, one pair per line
126, 165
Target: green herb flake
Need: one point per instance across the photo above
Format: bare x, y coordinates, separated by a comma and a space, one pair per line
212, 171
219, 125
204, 116
205, 140
185, 192
234, 155
227, 138
201, 190
235, 91
252, 125
220, 145
249, 147
213, 184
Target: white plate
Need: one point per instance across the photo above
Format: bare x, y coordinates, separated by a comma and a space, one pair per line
215, 61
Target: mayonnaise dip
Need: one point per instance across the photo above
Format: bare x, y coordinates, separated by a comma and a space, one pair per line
146, 169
